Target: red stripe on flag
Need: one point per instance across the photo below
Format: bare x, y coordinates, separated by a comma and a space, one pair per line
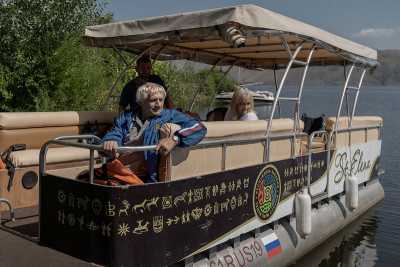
274, 251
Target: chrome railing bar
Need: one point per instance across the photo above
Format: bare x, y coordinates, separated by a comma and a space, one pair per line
44, 149
356, 97
339, 110
278, 93
300, 93
309, 167
83, 136
91, 166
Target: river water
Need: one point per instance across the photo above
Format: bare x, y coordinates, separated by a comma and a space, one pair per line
374, 240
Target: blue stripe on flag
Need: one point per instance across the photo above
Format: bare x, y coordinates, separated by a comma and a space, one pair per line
272, 245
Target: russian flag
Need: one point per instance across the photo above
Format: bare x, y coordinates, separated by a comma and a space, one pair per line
272, 245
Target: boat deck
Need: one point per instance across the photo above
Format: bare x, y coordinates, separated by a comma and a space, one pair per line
19, 244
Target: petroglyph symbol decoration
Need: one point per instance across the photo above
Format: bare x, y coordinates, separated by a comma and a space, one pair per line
196, 213
71, 200
71, 219
208, 210
97, 206
198, 194
180, 198
110, 209
158, 224
167, 202
92, 226
123, 229
146, 204
125, 207
141, 228
61, 217
106, 229
185, 217
82, 203
171, 221
62, 197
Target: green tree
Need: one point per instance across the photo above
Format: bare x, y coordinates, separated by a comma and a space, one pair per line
191, 89
32, 30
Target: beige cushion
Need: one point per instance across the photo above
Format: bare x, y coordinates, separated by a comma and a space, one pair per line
23, 120
189, 163
356, 136
30, 157
219, 129
357, 121
35, 137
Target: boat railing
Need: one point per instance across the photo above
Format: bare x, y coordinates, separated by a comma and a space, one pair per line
72, 141
66, 141
311, 138
331, 143
328, 137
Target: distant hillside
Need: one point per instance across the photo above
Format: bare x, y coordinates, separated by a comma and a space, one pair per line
387, 73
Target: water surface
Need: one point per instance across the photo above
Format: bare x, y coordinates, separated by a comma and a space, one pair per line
374, 240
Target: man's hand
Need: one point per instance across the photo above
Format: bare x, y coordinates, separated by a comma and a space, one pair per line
111, 146
165, 146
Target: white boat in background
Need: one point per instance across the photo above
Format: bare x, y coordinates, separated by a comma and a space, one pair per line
260, 97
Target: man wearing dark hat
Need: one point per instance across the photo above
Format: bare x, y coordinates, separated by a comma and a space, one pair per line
143, 68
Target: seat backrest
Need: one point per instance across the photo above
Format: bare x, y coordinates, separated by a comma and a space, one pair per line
355, 136
36, 128
201, 161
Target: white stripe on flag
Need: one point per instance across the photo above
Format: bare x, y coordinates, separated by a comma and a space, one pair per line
269, 238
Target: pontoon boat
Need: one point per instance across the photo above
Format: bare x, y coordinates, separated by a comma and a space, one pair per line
255, 193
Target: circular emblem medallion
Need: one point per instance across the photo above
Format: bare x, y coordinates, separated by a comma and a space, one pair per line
267, 192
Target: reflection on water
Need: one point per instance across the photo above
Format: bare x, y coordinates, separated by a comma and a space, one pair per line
378, 241
353, 246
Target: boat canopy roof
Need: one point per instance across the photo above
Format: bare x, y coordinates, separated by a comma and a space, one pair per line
246, 35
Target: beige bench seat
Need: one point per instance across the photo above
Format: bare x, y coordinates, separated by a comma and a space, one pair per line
30, 157
28, 120
358, 121
36, 128
202, 161
247, 129
355, 136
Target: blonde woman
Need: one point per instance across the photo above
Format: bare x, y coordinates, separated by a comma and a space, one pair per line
242, 106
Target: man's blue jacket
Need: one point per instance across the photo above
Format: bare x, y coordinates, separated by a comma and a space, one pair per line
192, 132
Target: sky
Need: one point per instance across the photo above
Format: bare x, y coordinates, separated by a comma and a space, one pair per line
375, 23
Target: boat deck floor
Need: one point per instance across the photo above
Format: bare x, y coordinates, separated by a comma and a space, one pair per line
19, 243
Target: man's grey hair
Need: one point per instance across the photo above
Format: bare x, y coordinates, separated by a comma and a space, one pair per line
144, 91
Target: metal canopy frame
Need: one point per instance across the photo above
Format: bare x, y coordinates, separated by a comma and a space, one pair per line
297, 99
345, 93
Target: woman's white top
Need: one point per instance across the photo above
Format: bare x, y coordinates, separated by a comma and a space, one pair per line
251, 116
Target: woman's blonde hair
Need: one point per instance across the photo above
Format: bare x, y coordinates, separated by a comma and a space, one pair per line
144, 91
239, 94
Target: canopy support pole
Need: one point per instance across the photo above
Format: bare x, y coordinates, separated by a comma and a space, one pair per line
276, 90
292, 57
344, 92
300, 93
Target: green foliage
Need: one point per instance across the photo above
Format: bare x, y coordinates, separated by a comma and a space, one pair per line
191, 89
44, 66
32, 30
81, 78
